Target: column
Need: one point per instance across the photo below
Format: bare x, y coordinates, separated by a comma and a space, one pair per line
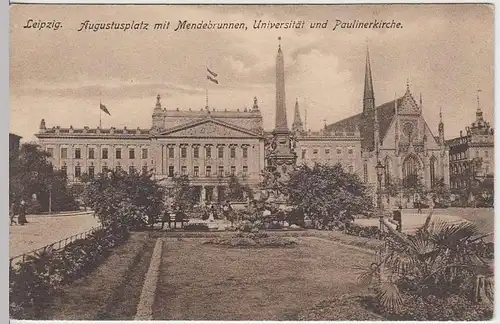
202, 195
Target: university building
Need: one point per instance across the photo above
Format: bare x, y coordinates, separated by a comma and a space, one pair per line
209, 145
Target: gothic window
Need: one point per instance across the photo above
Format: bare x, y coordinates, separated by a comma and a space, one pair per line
365, 172
411, 166
432, 170
387, 171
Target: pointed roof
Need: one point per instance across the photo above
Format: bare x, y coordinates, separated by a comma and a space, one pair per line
368, 93
297, 125
385, 114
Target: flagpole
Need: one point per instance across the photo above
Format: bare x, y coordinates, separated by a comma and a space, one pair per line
206, 90
100, 111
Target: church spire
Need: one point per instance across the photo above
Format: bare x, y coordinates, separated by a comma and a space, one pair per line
297, 125
368, 94
368, 119
281, 120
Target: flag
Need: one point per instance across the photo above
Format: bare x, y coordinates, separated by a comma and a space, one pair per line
103, 108
212, 79
212, 73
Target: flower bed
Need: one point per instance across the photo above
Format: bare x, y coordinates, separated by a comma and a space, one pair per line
258, 239
33, 282
365, 231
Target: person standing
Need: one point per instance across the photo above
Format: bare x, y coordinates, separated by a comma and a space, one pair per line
22, 213
12, 214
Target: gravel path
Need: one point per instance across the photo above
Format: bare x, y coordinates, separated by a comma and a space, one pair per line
43, 230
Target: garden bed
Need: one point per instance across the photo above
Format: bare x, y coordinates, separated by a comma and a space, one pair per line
206, 282
112, 290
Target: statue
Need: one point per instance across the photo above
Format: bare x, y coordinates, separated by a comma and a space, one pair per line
255, 104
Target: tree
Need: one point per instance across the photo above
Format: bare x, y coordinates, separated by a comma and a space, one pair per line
413, 185
441, 191
328, 194
235, 191
31, 173
183, 194
119, 198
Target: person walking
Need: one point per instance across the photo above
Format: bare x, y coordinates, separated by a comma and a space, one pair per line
12, 214
22, 213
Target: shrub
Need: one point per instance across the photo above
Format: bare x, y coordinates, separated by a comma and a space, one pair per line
33, 282
257, 239
365, 231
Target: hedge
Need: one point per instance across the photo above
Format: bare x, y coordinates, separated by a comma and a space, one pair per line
35, 281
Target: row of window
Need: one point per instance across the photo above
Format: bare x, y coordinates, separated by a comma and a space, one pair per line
171, 170
315, 151
91, 170
208, 152
463, 155
131, 153
77, 153
208, 171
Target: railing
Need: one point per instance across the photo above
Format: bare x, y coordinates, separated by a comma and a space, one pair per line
56, 245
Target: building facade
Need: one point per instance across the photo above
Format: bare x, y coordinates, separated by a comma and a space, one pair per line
206, 145
210, 145
472, 155
14, 142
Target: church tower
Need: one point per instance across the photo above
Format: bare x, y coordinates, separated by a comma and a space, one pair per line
297, 126
282, 156
368, 116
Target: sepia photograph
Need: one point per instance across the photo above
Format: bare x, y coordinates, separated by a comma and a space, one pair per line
251, 162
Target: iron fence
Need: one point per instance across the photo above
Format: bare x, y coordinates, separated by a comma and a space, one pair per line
56, 245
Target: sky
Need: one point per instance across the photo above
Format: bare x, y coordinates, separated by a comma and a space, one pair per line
445, 52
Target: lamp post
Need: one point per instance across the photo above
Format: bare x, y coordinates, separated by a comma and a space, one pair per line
380, 171
50, 197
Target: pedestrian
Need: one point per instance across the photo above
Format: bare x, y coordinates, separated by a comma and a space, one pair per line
22, 213
419, 207
12, 214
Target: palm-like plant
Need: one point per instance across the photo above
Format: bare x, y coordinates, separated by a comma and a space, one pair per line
438, 259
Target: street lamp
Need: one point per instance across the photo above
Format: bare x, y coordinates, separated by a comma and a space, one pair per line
380, 171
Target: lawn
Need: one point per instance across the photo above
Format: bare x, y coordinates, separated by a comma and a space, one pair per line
205, 282
111, 291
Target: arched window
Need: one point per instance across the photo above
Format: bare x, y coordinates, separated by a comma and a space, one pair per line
411, 166
365, 172
387, 170
432, 170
